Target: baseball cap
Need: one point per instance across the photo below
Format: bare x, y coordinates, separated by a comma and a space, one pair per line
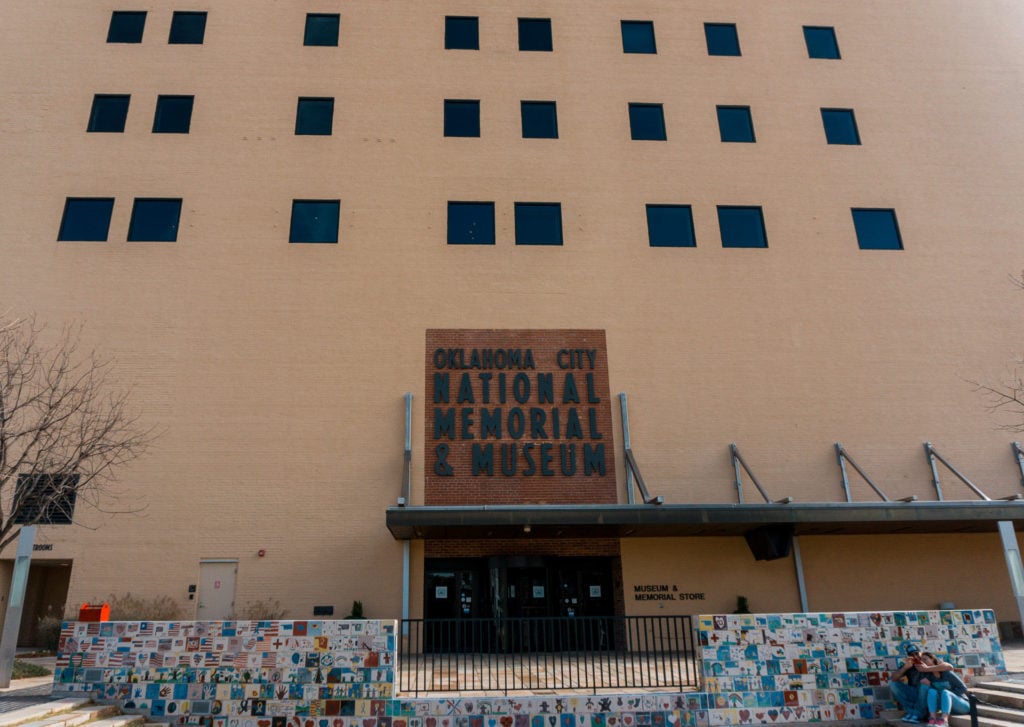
910, 647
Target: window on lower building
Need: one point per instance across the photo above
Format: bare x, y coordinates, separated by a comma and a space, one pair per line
461, 117
647, 122
535, 34
638, 36
538, 223
126, 26
46, 499
670, 225
821, 41
187, 28
742, 227
109, 113
840, 126
86, 219
173, 114
735, 123
314, 117
471, 223
877, 229
722, 39
322, 29
461, 32
540, 120
314, 220
154, 220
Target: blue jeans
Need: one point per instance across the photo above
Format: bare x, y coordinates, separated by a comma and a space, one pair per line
912, 699
945, 701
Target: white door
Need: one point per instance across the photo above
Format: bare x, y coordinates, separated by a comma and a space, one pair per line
216, 590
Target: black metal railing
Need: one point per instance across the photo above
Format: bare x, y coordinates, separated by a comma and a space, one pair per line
527, 654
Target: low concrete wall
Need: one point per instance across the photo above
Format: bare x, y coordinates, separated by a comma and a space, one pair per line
759, 669
785, 667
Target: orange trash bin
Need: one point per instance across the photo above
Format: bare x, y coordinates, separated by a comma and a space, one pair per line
94, 612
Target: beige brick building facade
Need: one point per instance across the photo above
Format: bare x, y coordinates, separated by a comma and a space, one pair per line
275, 371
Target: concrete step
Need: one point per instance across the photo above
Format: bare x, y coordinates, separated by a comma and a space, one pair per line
1000, 713
1000, 696
80, 716
1003, 686
123, 720
38, 712
964, 720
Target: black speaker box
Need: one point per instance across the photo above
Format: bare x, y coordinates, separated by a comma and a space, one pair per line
770, 542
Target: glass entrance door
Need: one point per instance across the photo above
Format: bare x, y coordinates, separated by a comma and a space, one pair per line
519, 603
455, 594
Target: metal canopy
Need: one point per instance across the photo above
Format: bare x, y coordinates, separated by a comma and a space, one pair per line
622, 521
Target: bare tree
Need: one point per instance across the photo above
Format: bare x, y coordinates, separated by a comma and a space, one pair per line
64, 426
1007, 397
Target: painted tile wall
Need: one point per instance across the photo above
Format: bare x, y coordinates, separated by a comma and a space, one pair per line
788, 667
759, 669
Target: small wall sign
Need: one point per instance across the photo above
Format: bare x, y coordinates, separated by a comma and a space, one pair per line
664, 592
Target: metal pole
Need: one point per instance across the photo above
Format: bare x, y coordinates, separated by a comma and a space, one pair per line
1013, 563
405, 588
406, 498
842, 468
935, 470
630, 497
798, 564
407, 455
1018, 454
15, 603
736, 471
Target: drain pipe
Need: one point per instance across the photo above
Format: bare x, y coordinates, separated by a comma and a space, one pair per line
406, 496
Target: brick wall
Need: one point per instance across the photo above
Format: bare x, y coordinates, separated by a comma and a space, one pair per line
577, 363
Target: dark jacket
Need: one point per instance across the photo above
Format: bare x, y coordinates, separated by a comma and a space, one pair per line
952, 680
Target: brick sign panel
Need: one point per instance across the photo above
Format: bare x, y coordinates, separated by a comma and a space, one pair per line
518, 416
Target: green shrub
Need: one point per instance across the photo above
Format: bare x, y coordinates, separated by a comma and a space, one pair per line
268, 610
137, 608
357, 610
24, 670
48, 633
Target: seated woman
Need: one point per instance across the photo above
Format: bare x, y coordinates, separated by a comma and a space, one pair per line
947, 694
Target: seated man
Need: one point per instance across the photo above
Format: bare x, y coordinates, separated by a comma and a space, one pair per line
912, 694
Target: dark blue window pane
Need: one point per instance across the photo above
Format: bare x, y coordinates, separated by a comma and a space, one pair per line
735, 123
670, 225
461, 118
821, 42
540, 120
742, 227
173, 115
646, 122
126, 26
314, 220
535, 34
538, 223
722, 39
877, 229
109, 113
154, 220
86, 218
461, 33
471, 223
315, 116
840, 126
187, 28
322, 29
638, 36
